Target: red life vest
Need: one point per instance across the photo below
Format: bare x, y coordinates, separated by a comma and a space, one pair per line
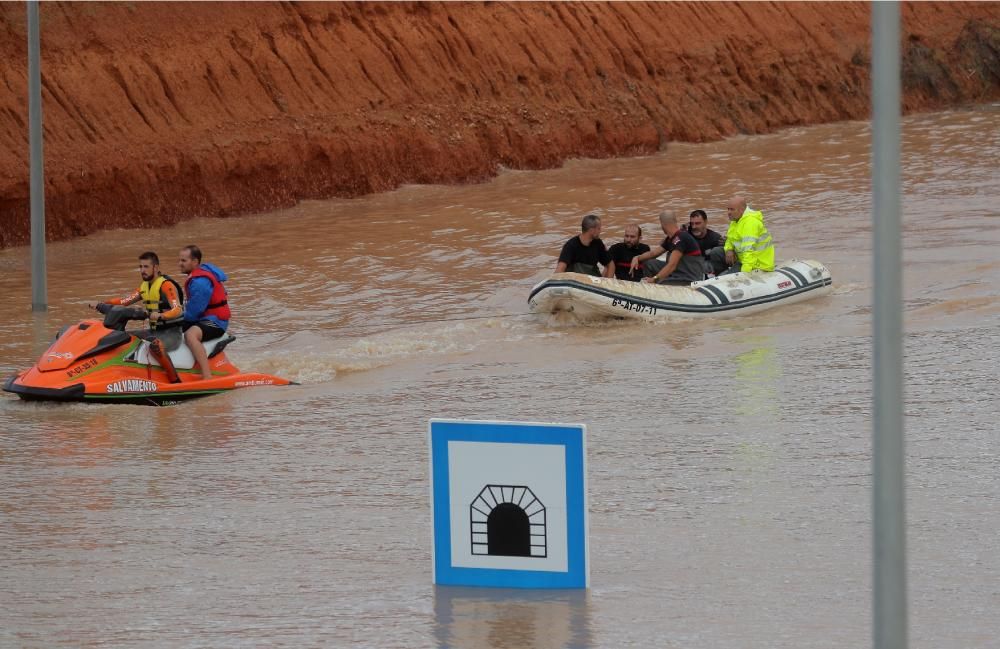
218, 304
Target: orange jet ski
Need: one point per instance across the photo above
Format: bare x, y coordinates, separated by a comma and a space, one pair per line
96, 361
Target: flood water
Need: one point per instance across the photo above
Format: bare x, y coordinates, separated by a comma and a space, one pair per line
728, 461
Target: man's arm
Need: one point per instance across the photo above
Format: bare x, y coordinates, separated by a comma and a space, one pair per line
565, 257
730, 245
169, 292
653, 253
125, 300
715, 240
612, 266
606, 260
672, 261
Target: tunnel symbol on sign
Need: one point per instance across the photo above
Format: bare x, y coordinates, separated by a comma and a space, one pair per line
508, 521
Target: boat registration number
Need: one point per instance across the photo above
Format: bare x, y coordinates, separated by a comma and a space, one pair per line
629, 305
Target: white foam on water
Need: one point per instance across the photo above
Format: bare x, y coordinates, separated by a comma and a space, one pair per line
320, 361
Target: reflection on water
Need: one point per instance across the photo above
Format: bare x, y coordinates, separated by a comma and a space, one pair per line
728, 461
510, 619
757, 372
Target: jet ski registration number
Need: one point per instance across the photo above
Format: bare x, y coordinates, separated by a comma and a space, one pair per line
81, 368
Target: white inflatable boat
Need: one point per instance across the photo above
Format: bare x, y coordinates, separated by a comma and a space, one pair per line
590, 298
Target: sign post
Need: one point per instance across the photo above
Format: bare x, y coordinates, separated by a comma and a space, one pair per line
39, 283
888, 457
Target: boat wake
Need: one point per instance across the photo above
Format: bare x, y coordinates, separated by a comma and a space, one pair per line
308, 358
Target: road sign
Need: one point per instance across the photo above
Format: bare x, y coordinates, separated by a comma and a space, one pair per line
509, 504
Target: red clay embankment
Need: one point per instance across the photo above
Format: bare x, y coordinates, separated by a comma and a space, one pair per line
158, 112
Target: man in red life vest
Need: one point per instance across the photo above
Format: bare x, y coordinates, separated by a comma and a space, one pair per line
206, 310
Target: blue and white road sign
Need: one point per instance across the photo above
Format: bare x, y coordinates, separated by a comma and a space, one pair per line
509, 504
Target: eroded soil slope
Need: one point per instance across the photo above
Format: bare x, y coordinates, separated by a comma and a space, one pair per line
157, 112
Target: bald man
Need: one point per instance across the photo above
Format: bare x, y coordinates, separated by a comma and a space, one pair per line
684, 264
748, 244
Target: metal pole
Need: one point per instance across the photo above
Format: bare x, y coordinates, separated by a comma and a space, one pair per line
39, 289
888, 493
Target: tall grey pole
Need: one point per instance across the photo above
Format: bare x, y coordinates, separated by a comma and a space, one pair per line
39, 289
888, 493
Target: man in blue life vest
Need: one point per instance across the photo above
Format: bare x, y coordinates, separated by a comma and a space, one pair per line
206, 311
748, 244
164, 303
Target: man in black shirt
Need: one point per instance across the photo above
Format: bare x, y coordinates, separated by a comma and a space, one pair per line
622, 253
684, 262
708, 240
582, 253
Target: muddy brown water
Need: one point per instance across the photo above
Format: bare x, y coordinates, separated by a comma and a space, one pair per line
729, 461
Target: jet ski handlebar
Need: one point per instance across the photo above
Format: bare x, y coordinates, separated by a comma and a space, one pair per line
116, 317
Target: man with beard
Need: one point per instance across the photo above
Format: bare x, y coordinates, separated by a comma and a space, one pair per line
708, 240
163, 300
160, 295
622, 253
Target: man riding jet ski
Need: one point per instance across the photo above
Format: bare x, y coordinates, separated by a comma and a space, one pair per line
98, 361
164, 302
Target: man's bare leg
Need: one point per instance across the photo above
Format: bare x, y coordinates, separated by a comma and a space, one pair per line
193, 339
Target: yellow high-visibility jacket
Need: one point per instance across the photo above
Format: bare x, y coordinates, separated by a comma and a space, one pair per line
751, 242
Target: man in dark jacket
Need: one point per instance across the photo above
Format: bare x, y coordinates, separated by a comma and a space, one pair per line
684, 263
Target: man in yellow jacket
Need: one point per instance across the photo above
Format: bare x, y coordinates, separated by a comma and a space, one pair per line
748, 243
